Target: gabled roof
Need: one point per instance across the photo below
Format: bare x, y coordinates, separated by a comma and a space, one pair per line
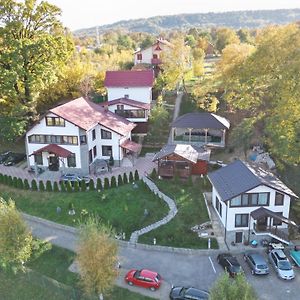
240, 177
187, 152
199, 120
159, 40
127, 101
133, 78
86, 114
131, 146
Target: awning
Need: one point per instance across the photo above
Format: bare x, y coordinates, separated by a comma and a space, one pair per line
131, 146
55, 149
263, 212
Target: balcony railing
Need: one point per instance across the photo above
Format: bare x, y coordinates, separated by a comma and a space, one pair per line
271, 230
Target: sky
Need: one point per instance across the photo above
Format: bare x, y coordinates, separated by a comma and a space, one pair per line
88, 13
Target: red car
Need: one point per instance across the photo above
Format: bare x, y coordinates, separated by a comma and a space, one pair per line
144, 278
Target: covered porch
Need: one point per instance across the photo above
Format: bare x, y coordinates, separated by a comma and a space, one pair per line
131, 151
267, 222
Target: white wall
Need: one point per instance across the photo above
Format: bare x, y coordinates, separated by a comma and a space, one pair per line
146, 56
41, 128
247, 210
141, 94
113, 108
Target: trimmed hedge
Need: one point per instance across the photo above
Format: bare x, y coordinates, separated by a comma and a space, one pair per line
20, 184
83, 185
113, 182
99, 186
120, 180
125, 178
106, 183
91, 185
136, 176
131, 177
33, 185
55, 187
26, 184
48, 186
41, 186
76, 186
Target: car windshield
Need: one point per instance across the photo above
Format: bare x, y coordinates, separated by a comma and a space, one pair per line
261, 267
157, 278
284, 265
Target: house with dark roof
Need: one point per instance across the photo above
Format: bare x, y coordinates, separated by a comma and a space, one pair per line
75, 136
129, 95
251, 203
200, 128
182, 161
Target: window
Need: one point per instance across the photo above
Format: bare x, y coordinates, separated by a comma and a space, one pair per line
55, 121
38, 159
53, 139
235, 201
139, 56
93, 134
219, 206
277, 222
72, 160
83, 139
106, 135
90, 156
241, 220
279, 198
95, 151
126, 96
135, 113
250, 199
155, 56
106, 150
263, 199
120, 107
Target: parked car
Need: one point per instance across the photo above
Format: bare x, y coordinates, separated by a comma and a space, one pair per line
257, 263
73, 177
4, 156
182, 293
230, 264
14, 158
281, 264
144, 278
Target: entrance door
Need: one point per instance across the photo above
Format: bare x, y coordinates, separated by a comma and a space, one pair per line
262, 223
239, 237
53, 163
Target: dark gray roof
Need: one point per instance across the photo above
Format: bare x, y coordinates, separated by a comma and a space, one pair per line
201, 120
188, 152
240, 177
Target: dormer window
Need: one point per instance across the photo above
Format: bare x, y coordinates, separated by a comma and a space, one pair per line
139, 56
55, 121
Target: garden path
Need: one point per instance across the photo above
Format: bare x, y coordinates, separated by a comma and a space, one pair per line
176, 112
171, 214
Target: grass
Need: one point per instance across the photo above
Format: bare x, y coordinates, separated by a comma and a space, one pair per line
121, 207
191, 211
54, 264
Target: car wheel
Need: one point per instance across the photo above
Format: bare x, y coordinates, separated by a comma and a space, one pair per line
130, 283
252, 272
152, 288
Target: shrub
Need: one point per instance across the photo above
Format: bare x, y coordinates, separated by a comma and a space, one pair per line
91, 185
69, 187
20, 184
136, 176
39, 247
106, 183
62, 186
125, 178
55, 187
1, 178
130, 177
153, 174
5, 179
10, 181
41, 186
120, 180
15, 182
113, 182
26, 184
111, 161
83, 185
99, 186
76, 186
48, 186
33, 185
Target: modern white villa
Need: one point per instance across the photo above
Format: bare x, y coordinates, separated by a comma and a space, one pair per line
76, 136
251, 203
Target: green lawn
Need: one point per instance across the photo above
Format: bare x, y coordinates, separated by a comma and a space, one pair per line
53, 264
191, 211
122, 207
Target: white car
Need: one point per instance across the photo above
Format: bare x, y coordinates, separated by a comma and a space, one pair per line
281, 264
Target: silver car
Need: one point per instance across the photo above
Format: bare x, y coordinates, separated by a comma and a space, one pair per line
281, 265
257, 263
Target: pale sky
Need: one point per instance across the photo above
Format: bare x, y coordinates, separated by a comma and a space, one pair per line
88, 13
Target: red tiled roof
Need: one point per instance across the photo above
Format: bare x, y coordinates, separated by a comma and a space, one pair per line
131, 146
127, 101
53, 148
86, 114
129, 78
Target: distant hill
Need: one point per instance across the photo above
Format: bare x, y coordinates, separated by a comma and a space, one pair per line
237, 19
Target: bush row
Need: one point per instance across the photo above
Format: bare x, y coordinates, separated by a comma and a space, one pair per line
67, 186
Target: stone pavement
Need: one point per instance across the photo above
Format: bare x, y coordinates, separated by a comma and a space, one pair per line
171, 214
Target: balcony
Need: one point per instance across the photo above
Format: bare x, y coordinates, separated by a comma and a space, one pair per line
271, 231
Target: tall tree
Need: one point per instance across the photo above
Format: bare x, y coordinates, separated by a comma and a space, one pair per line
33, 45
225, 36
15, 238
97, 257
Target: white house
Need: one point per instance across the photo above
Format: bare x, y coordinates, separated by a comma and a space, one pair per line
251, 203
152, 54
76, 136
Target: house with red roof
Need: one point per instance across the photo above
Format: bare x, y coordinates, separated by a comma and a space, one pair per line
152, 54
129, 95
78, 135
